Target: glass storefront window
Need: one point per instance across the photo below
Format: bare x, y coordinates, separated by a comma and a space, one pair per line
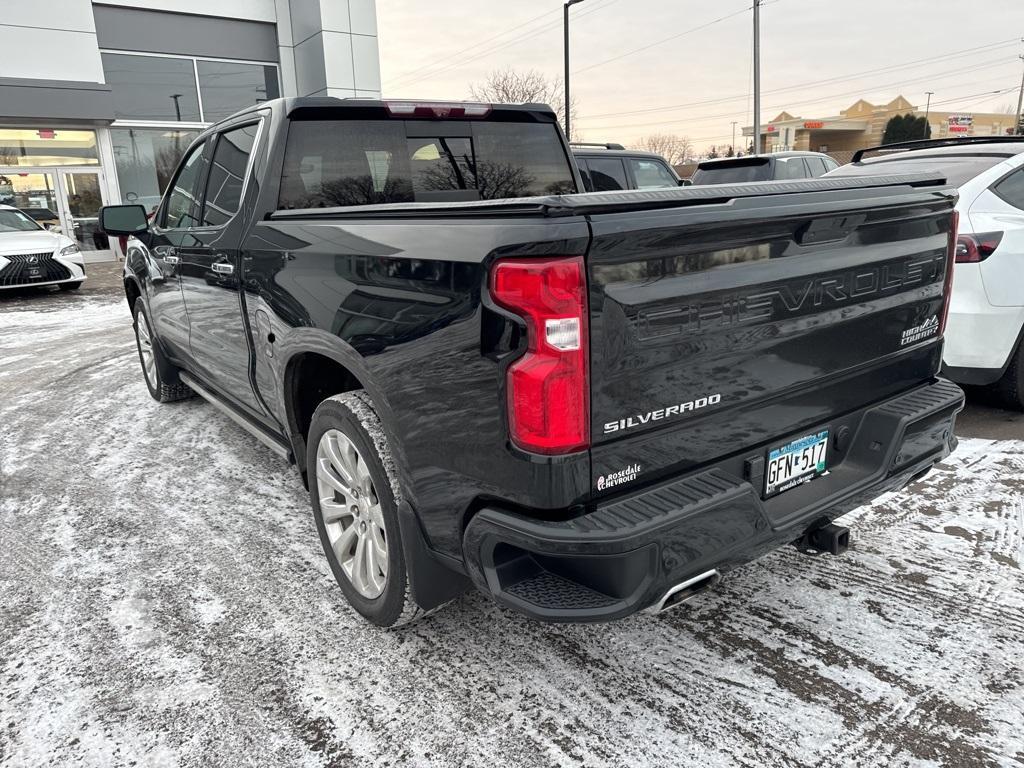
47, 146
35, 193
152, 87
228, 87
146, 159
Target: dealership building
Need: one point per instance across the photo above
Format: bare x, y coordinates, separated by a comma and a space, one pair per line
98, 100
863, 125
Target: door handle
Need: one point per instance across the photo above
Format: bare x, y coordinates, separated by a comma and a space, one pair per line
223, 269
172, 260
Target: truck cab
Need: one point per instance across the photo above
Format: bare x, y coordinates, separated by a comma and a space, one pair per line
584, 404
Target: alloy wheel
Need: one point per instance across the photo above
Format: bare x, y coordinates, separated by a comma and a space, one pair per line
146, 349
352, 513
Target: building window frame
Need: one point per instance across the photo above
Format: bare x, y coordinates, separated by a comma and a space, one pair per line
203, 122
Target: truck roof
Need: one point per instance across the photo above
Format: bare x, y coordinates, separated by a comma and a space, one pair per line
298, 106
763, 157
613, 151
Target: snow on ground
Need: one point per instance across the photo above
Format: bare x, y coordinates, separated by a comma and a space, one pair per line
164, 601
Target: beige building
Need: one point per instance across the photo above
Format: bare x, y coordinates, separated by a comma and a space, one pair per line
863, 124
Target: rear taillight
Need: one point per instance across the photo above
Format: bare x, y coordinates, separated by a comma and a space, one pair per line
947, 294
971, 249
438, 109
548, 387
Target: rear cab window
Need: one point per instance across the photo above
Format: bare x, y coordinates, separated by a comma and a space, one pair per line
733, 171
367, 162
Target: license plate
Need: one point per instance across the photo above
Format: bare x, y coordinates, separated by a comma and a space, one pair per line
795, 463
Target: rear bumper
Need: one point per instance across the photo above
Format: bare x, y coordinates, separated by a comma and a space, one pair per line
623, 556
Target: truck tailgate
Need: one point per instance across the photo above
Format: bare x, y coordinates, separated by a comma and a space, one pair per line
729, 325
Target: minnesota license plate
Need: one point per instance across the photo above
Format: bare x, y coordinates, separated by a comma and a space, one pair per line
795, 463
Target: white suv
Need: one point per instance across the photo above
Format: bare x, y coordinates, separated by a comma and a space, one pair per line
986, 316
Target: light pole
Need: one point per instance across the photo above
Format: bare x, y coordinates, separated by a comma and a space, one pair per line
1019, 128
757, 77
927, 111
177, 106
565, 19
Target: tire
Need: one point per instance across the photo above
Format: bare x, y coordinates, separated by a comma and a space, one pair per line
1009, 390
346, 433
71, 286
161, 377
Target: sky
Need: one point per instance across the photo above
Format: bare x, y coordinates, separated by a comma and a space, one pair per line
684, 67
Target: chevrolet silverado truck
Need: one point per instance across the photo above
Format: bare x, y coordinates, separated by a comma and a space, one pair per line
582, 404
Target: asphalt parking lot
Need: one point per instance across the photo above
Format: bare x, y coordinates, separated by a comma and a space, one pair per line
165, 602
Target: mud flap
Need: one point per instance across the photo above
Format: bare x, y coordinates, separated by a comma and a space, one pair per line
432, 581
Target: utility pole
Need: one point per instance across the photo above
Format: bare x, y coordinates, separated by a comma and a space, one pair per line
734, 136
927, 111
757, 77
1019, 128
565, 24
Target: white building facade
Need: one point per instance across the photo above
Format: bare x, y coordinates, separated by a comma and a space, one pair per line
98, 100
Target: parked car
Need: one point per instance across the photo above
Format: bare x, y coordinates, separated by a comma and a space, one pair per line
609, 167
44, 217
583, 404
778, 166
31, 255
986, 316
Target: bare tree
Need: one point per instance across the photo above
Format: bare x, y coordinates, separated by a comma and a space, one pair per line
510, 86
676, 149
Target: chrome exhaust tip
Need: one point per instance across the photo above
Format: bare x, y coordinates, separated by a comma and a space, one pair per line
685, 591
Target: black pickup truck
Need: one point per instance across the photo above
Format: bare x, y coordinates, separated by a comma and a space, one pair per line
584, 404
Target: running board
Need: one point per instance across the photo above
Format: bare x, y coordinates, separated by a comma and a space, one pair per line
276, 446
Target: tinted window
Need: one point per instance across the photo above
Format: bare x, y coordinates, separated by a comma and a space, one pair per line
180, 210
1011, 189
362, 162
588, 183
227, 172
152, 87
607, 174
227, 87
732, 172
652, 174
443, 168
958, 169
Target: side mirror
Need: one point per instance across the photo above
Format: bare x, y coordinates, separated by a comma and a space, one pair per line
123, 219
685, 183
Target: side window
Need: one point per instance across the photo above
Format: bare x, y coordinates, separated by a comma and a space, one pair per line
1011, 189
817, 166
227, 175
607, 174
179, 212
790, 168
651, 174
588, 183
830, 165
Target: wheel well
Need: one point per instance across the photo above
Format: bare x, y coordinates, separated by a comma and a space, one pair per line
131, 292
311, 379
